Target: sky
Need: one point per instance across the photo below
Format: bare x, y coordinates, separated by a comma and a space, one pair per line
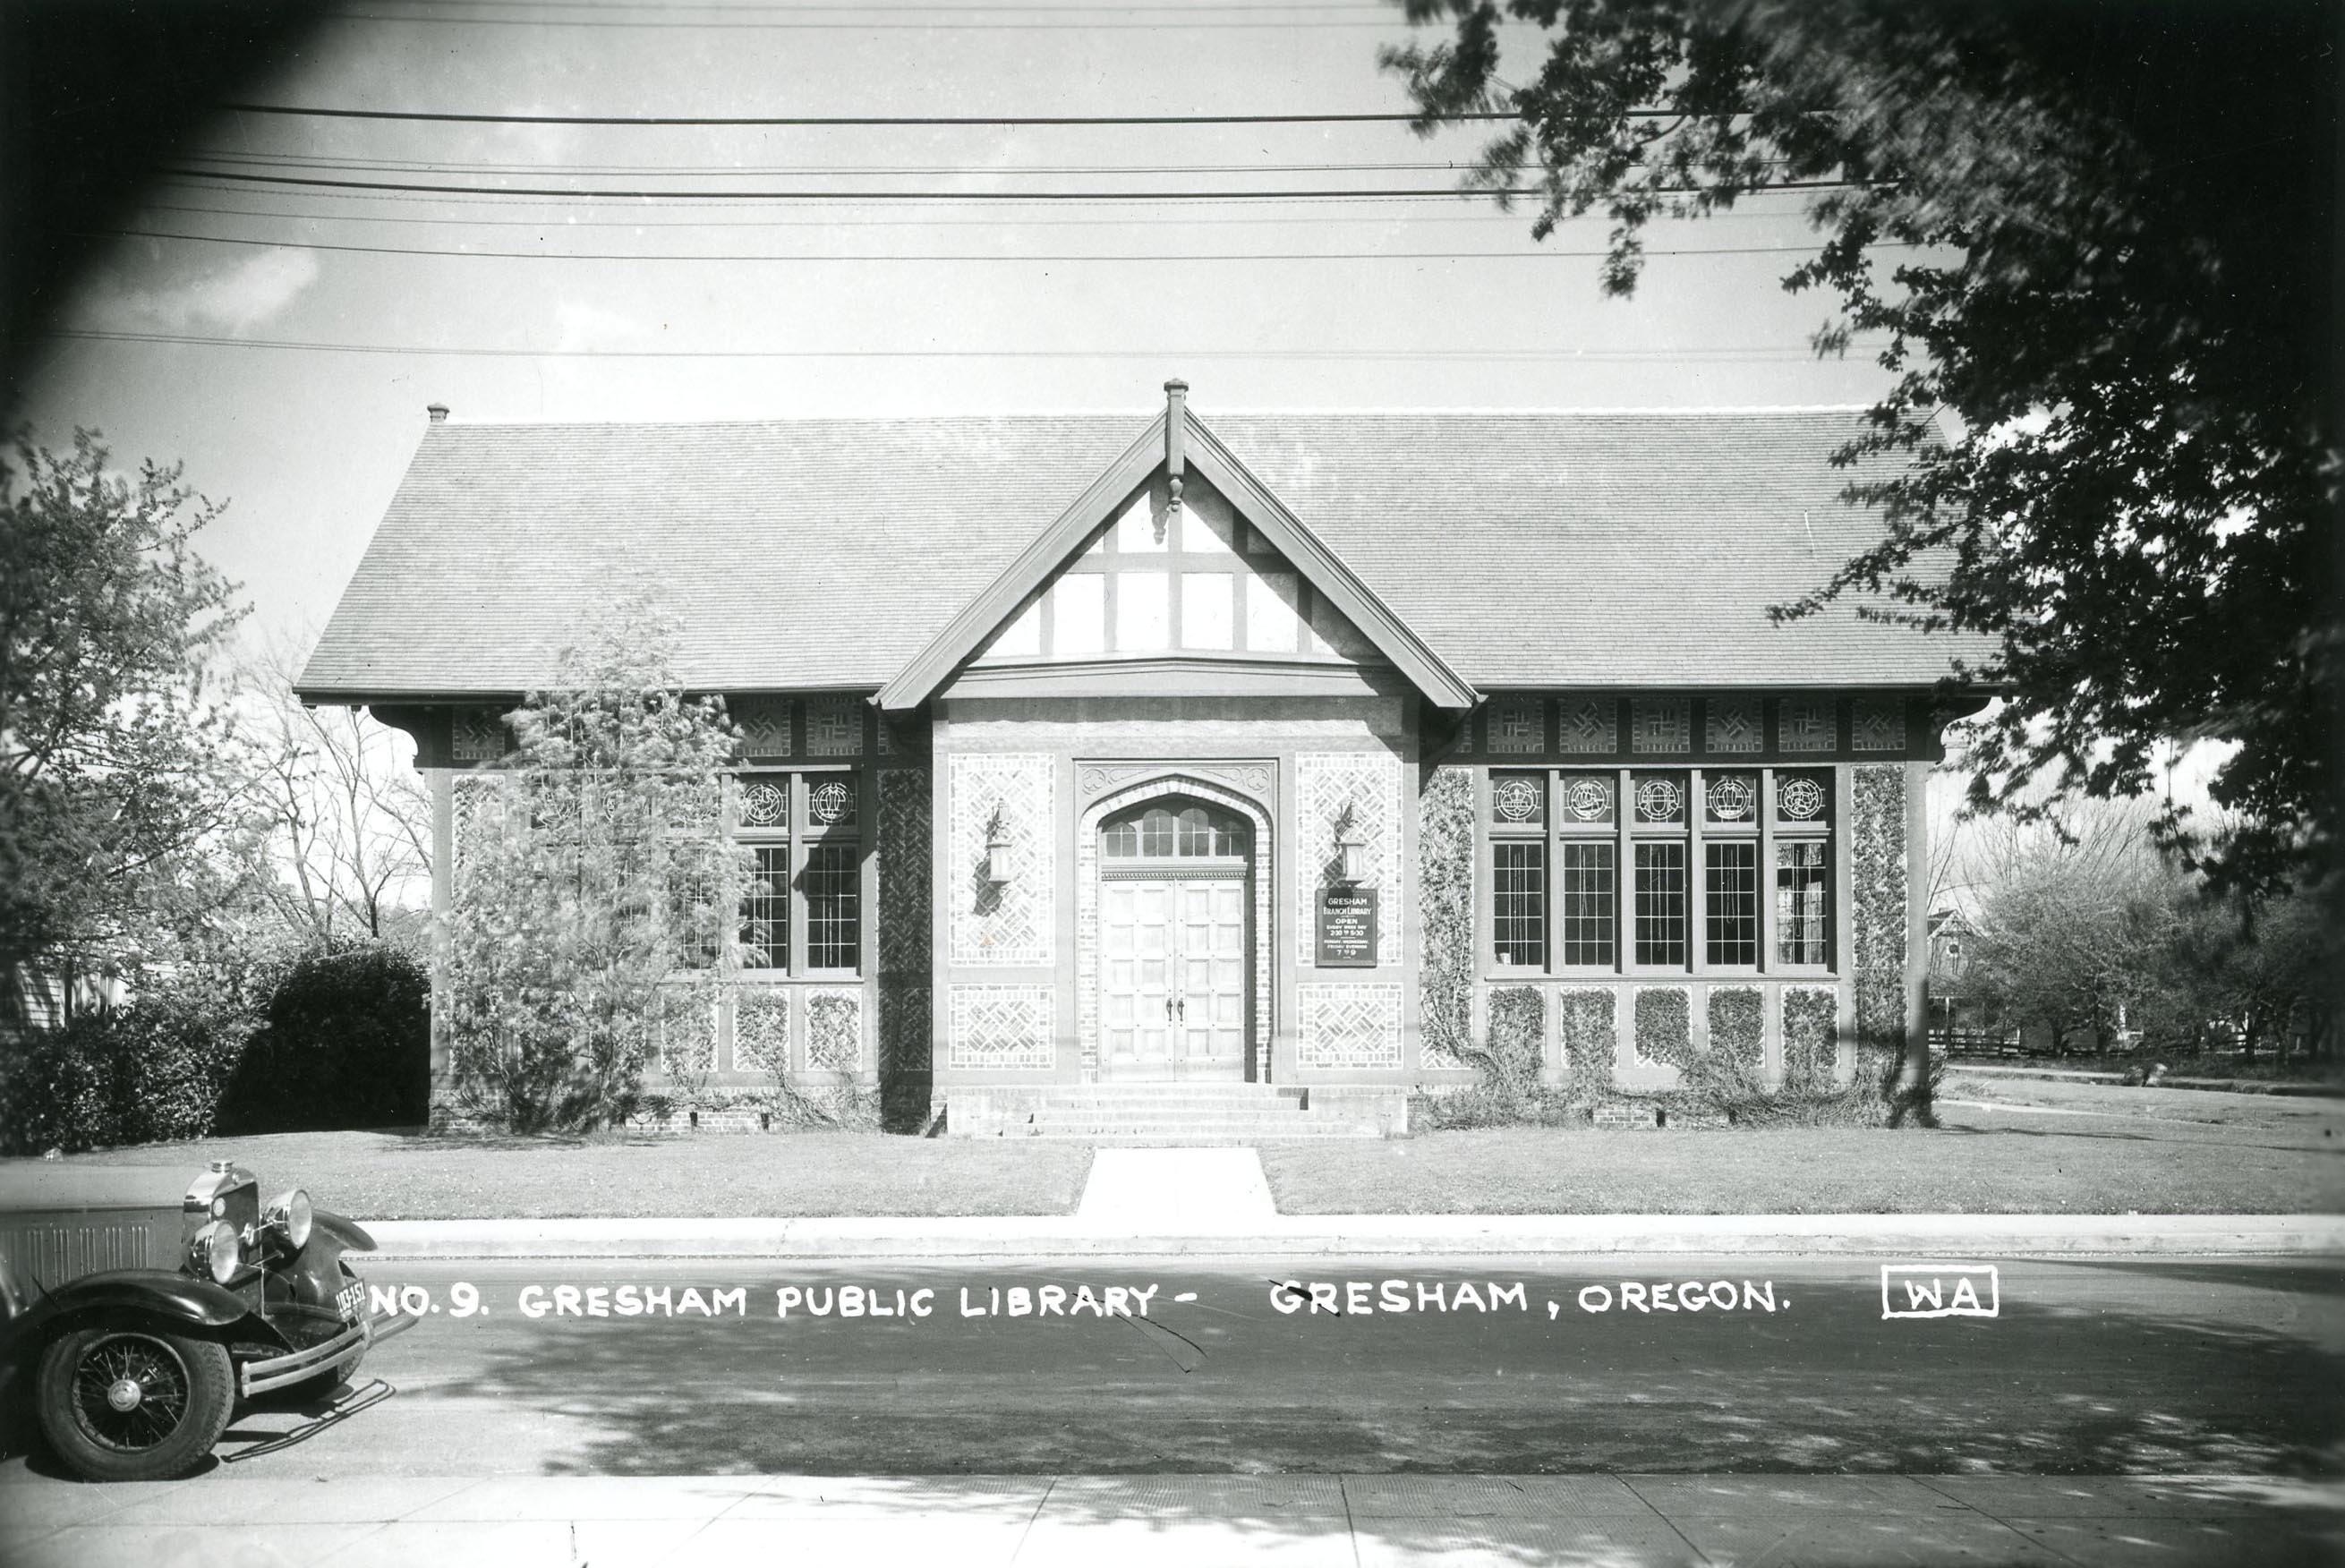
301, 397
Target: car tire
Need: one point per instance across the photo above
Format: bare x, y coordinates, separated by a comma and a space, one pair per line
132, 1400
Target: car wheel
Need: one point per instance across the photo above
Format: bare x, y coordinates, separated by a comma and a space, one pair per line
133, 1402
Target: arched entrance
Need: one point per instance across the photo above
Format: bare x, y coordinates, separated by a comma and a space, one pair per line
1176, 940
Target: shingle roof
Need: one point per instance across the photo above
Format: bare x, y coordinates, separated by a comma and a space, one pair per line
1536, 549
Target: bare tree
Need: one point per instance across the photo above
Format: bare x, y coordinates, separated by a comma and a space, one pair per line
347, 848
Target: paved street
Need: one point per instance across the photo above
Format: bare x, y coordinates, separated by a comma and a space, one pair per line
2108, 1366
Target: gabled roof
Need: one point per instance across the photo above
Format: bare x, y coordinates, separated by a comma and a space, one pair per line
1521, 548
1176, 439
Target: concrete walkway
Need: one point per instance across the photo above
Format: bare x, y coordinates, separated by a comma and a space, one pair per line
1175, 1191
1129, 1232
1133, 1522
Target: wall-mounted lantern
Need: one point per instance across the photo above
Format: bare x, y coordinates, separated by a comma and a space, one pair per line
1351, 855
997, 849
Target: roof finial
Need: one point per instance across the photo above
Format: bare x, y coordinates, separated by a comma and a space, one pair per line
1176, 432
438, 412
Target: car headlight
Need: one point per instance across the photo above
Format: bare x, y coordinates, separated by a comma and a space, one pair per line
219, 1252
290, 1215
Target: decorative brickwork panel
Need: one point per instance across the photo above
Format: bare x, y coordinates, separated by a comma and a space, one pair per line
1731, 727
835, 728
1587, 1023
1664, 1032
1806, 725
1663, 726
1587, 726
834, 1030
1738, 1025
1445, 914
1811, 1039
476, 735
1012, 922
685, 1039
907, 874
1515, 726
1347, 1026
1363, 788
905, 1036
765, 727
1876, 725
1876, 834
761, 1029
1003, 1027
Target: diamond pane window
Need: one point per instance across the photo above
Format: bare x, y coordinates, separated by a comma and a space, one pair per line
1731, 911
1518, 902
1518, 800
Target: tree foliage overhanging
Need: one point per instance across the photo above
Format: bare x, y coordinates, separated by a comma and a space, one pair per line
119, 763
2094, 245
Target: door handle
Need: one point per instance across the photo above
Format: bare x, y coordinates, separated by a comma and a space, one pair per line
1168, 1010
1184, 1005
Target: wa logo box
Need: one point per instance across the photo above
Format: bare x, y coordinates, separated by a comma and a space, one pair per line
1940, 1291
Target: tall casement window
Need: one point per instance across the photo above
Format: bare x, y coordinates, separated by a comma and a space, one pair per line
1638, 870
1801, 831
802, 913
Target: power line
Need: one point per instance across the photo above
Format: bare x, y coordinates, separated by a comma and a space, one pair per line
991, 220
313, 112
1390, 20
1759, 354
409, 186
1133, 257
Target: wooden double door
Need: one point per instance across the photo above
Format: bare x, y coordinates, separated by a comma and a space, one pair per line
1175, 971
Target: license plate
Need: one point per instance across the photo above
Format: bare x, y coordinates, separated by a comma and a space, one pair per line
351, 1302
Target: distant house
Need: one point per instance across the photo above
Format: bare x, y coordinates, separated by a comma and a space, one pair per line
1105, 749
1959, 1017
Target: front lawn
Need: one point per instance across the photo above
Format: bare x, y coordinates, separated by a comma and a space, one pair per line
2132, 1156
397, 1176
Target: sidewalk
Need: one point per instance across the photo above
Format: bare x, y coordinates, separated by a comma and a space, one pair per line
1134, 1521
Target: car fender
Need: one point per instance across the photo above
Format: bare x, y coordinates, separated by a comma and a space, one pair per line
348, 1232
199, 1303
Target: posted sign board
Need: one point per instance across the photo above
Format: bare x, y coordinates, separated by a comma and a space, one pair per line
1347, 927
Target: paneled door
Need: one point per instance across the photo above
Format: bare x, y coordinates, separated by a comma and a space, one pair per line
1173, 981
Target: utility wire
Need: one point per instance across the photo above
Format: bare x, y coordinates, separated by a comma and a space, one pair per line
1132, 257
315, 112
1186, 219
321, 183
1391, 20
1761, 354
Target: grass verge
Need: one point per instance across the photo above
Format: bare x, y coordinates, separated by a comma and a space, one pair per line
397, 1176
2260, 1157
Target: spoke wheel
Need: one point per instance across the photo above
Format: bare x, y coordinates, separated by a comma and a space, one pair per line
133, 1402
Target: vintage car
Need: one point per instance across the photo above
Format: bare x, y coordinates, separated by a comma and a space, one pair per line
136, 1313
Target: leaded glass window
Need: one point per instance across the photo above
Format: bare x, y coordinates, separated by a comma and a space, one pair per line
1588, 890
833, 883
766, 911
1175, 830
1661, 912
1519, 908
1730, 903
1802, 873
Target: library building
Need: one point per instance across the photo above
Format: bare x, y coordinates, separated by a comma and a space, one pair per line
1271, 767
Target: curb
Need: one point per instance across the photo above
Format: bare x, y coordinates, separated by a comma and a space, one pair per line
1035, 1237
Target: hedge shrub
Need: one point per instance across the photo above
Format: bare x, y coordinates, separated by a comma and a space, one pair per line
144, 1074
345, 1043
